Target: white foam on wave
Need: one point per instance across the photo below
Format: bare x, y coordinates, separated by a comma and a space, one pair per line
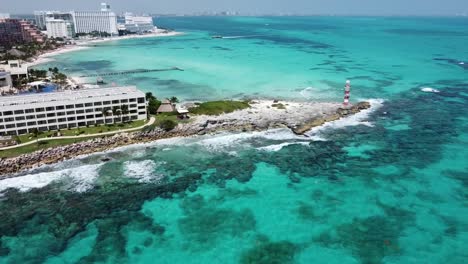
144, 171
429, 90
353, 120
226, 140
278, 147
81, 179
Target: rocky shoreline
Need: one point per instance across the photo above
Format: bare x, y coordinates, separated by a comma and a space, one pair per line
299, 117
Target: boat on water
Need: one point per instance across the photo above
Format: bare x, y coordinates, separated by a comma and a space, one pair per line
217, 37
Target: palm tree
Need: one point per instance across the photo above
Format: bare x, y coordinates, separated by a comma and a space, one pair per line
125, 111
149, 96
174, 99
118, 111
105, 113
35, 133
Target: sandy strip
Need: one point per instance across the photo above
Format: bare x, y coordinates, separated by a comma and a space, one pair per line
85, 44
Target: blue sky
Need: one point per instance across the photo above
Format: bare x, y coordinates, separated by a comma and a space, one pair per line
326, 7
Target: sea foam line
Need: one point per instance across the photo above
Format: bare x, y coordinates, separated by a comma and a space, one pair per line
81, 179
353, 120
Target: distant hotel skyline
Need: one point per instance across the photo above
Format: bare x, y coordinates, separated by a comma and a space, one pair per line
257, 7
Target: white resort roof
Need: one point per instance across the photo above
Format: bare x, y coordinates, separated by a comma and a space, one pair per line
67, 97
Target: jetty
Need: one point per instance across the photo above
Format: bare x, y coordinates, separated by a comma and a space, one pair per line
130, 72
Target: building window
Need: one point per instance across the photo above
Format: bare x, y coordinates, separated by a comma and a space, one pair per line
19, 118
7, 113
28, 111
40, 109
89, 110
70, 112
21, 125
50, 114
51, 121
71, 118
124, 101
32, 123
60, 113
98, 103
88, 104
9, 119
79, 105
50, 108
141, 100
115, 102
70, 106
107, 102
141, 107
79, 111
142, 113
42, 122
30, 117
19, 112
132, 99
41, 116
90, 116
61, 120
60, 107
10, 126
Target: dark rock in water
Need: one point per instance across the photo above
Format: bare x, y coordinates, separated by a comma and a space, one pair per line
105, 159
333, 178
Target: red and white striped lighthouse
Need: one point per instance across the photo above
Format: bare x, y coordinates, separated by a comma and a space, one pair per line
346, 93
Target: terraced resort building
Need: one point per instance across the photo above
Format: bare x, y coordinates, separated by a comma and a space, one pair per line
22, 114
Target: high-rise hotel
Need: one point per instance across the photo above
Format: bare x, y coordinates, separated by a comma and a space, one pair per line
67, 24
101, 21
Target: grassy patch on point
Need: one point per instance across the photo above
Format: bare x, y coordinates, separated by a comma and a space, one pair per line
219, 107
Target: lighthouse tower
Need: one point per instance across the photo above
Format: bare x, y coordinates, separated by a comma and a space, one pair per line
346, 92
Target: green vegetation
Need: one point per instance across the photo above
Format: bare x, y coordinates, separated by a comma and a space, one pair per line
168, 124
80, 131
174, 100
37, 74
219, 107
31, 50
153, 103
94, 34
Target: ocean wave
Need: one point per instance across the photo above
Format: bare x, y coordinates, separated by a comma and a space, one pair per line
353, 120
144, 171
429, 90
81, 179
278, 147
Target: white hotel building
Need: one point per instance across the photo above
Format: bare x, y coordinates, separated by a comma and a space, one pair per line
60, 28
89, 21
21, 114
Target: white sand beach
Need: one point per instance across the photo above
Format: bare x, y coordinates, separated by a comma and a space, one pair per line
85, 44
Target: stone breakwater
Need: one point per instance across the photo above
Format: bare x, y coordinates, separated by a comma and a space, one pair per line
299, 117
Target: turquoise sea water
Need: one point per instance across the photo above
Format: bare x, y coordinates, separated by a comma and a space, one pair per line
390, 186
